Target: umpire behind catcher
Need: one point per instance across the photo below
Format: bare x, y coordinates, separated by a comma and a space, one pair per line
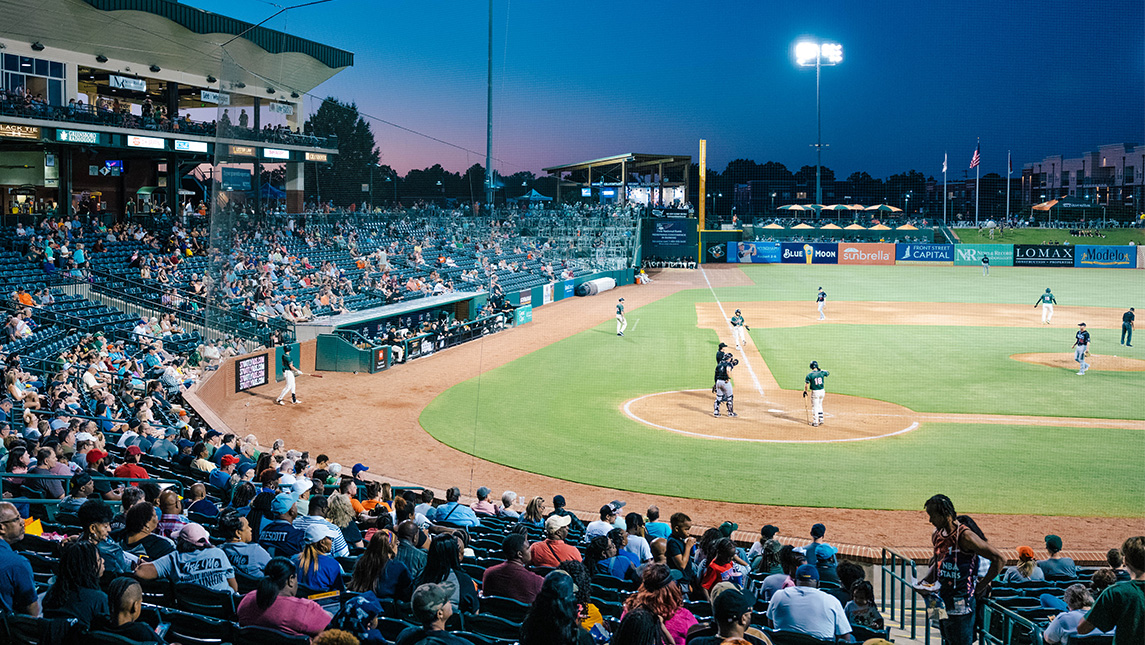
723, 387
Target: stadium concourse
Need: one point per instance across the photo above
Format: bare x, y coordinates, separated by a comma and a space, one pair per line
136, 499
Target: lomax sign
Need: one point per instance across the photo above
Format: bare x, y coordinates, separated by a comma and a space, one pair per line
1043, 255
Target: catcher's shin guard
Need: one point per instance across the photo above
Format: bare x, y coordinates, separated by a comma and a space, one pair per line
729, 403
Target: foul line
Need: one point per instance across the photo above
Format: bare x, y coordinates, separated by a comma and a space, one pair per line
628, 411
754, 378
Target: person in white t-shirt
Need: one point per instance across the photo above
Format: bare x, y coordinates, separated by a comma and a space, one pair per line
637, 538
603, 525
194, 560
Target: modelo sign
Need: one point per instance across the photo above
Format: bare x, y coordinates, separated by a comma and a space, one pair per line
809, 253
924, 254
866, 253
1043, 255
1105, 257
1001, 255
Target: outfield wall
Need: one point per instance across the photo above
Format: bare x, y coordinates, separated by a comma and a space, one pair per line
1082, 256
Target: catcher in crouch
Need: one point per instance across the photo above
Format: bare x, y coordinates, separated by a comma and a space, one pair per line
723, 386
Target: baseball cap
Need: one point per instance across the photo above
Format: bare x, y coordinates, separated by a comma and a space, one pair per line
1081, 324
286, 479
1026, 553
558, 501
428, 599
80, 479
211, 434
171, 431
818, 530
722, 345
194, 534
185, 443
95, 455
617, 504
769, 531
1053, 543
607, 510
732, 604
727, 528
807, 572
359, 468
483, 492
229, 460
134, 450
282, 503
243, 469
302, 485
317, 531
557, 522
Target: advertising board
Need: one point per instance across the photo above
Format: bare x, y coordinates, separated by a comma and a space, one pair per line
1105, 257
1001, 255
570, 289
380, 358
809, 252
547, 293
753, 252
924, 254
522, 315
866, 253
1043, 255
670, 233
251, 372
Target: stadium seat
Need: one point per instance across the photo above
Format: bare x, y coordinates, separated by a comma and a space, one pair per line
506, 608
98, 637
490, 625
389, 627
780, 637
197, 599
255, 635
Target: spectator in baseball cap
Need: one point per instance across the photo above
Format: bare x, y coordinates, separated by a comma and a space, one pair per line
359, 469
81, 486
731, 614
432, 607
603, 525
1057, 565
822, 555
553, 550
805, 609
559, 509
483, 506
317, 570
194, 560
130, 466
280, 537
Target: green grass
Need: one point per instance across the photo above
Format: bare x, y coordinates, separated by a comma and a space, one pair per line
556, 410
1048, 235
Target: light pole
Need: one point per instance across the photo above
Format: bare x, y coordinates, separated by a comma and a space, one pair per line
808, 53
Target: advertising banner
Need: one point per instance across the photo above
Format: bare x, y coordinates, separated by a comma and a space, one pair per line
1043, 255
1001, 255
526, 297
715, 252
670, 233
753, 252
522, 315
380, 358
866, 253
570, 289
1105, 257
547, 294
809, 252
924, 254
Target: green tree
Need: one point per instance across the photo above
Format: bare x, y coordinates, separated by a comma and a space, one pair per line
342, 179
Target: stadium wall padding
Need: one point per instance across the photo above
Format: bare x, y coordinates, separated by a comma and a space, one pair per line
336, 354
1080, 256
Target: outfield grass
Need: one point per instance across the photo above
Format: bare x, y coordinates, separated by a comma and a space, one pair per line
1049, 235
556, 411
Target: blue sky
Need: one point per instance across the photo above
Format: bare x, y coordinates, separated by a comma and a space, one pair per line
578, 81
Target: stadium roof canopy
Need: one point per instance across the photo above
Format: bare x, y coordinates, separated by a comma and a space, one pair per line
632, 161
177, 37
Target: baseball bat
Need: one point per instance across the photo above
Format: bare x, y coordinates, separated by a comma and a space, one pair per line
318, 375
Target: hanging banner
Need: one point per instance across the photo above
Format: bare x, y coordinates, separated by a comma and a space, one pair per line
924, 254
866, 253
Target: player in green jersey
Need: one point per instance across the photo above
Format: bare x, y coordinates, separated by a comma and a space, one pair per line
1047, 301
814, 382
738, 328
621, 323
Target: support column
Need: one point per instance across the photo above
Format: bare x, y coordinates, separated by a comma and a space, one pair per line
64, 163
295, 184
256, 180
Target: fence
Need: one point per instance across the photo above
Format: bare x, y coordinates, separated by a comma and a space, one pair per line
896, 589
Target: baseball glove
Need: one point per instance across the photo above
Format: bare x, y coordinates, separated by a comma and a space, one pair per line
805, 394
1087, 352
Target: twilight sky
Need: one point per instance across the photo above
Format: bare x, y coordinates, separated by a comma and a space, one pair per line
574, 82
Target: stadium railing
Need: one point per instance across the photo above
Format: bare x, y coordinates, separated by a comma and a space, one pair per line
1004, 626
51, 504
900, 601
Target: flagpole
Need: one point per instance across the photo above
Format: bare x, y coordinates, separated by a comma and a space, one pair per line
1009, 170
944, 190
977, 174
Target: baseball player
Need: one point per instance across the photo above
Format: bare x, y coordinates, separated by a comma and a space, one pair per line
737, 329
621, 323
814, 382
1081, 348
721, 355
1047, 301
723, 386
288, 372
821, 299
985, 264
1127, 328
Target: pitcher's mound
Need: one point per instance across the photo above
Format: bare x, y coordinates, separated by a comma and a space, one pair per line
1097, 362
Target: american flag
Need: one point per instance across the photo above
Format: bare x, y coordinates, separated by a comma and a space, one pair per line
977, 158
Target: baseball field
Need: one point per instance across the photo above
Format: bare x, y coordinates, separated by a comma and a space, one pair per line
940, 378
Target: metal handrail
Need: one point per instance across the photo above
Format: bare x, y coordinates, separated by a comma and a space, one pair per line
106, 478
894, 567
1011, 620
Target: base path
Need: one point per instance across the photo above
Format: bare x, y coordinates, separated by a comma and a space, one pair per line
373, 419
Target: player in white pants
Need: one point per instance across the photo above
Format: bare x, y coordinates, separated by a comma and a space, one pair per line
288, 372
738, 328
821, 300
1047, 301
621, 321
814, 383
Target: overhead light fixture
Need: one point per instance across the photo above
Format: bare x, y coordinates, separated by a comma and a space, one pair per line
240, 85
270, 90
211, 79
294, 95
100, 58
154, 69
38, 46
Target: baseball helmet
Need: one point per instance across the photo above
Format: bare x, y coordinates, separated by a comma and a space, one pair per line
737, 311
622, 299
814, 365
1047, 289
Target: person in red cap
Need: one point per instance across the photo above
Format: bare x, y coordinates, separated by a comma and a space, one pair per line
221, 477
97, 468
130, 467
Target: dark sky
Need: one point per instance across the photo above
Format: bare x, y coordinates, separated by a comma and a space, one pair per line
577, 81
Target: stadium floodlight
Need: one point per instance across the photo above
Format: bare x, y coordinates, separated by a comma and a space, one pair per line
807, 54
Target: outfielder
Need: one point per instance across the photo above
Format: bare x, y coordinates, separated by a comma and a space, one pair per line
1127, 328
985, 264
1047, 301
821, 299
1081, 348
288, 372
723, 387
814, 381
737, 329
621, 322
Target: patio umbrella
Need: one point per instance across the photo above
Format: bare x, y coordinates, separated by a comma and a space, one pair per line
880, 227
794, 207
837, 207
907, 227
884, 208
832, 226
802, 226
773, 225
855, 227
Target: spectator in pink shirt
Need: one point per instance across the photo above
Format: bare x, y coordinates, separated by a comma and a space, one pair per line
483, 506
273, 603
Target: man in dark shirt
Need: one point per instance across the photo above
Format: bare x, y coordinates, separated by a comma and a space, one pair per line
409, 553
125, 599
511, 579
559, 509
680, 547
17, 587
731, 617
280, 537
1127, 319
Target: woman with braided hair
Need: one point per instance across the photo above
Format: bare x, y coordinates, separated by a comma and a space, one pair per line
76, 593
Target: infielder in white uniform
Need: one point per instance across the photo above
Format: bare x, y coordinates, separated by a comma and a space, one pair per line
621, 322
288, 372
